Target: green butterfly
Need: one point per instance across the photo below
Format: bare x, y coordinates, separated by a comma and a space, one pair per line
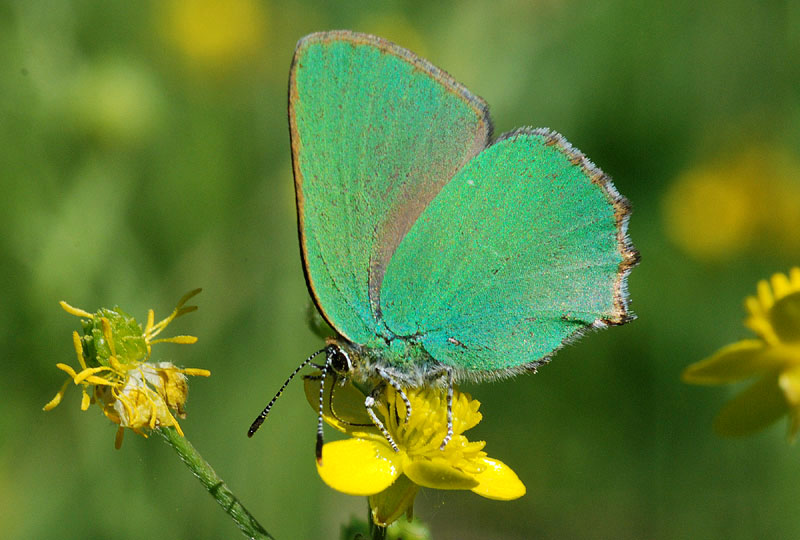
436, 254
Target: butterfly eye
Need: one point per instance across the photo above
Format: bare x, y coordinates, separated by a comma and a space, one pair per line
339, 360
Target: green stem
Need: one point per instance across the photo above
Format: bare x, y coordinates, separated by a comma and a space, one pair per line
376, 532
214, 484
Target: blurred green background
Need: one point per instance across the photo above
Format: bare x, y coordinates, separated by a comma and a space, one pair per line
144, 152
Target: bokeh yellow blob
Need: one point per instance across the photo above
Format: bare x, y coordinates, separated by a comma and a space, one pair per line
115, 101
709, 214
720, 209
214, 35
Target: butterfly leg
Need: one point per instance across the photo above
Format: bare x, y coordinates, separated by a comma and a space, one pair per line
369, 403
449, 374
437, 374
399, 389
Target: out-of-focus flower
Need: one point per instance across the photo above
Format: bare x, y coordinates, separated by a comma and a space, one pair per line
115, 374
710, 213
367, 465
115, 101
214, 35
718, 209
774, 357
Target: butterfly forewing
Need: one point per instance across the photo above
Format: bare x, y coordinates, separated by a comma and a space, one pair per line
376, 132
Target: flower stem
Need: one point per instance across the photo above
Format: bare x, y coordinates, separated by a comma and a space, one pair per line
376, 532
215, 485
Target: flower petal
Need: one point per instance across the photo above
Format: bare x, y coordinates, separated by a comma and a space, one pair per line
734, 362
358, 466
789, 381
394, 501
498, 481
438, 474
785, 317
780, 285
765, 294
343, 407
754, 409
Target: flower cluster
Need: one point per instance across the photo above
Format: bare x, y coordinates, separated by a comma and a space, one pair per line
774, 357
115, 374
367, 465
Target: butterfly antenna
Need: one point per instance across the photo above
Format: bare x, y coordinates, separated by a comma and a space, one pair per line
325, 369
263, 416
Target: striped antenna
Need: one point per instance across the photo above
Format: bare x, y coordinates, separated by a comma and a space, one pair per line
263, 416
318, 449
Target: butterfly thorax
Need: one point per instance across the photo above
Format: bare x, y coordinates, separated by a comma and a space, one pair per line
402, 358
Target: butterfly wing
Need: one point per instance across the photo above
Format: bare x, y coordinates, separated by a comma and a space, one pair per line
523, 249
376, 132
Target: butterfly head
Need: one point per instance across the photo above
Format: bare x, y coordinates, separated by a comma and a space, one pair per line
349, 361
338, 359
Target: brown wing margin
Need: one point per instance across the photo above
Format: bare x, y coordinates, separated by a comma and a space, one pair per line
622, 211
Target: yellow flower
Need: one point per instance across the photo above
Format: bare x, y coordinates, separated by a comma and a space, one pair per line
740, 201
115, 374
774, 315
711, 230
214, 35
367, 465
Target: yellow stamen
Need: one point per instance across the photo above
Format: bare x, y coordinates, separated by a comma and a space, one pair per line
98, 381
78, 344
107, 334
153, 416
85, 401
196, 371
124, 400
188, 340
75, 311
68, 369
176, 425
186, 297
88, 372
154, 330
53, 403
150, 318
116, 365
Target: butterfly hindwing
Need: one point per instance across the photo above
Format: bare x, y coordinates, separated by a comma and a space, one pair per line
523, 249
376, 132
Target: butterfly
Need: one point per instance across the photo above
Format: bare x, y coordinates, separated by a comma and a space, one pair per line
436, 253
